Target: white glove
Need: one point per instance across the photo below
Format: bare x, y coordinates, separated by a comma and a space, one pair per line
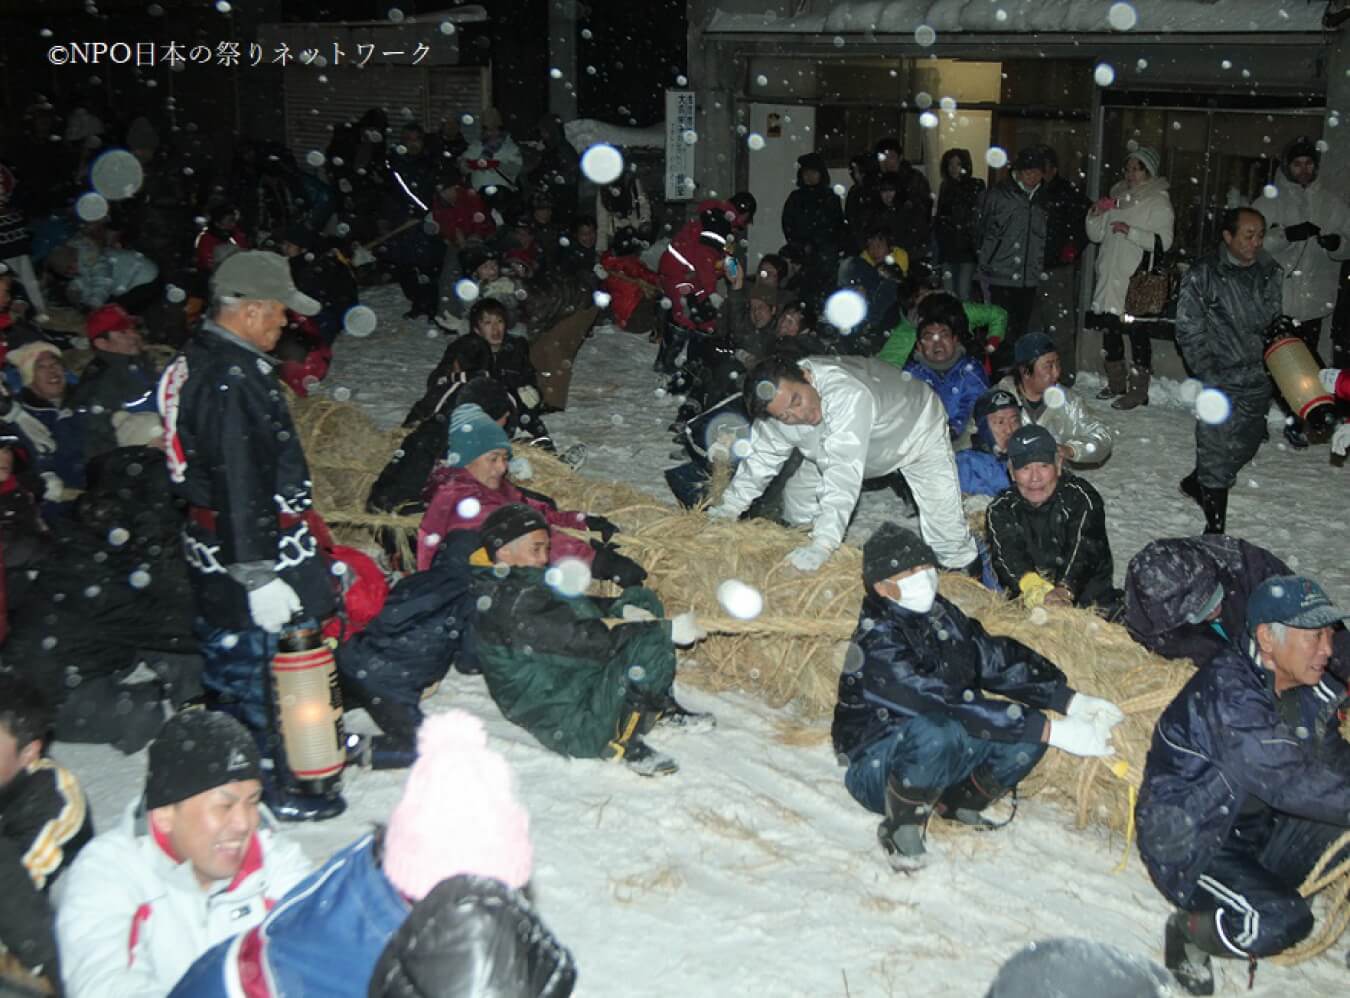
1079, 736
723, 512
529, 396
635, 614
273, 605
808, 558
520, 469
1340, 440
1095, 709
52, 486
684, 629
1328, 376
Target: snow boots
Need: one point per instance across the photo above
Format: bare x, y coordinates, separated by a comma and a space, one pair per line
1212, 502
1136, 391
1188, 941
901, 832
965, 801
1116, 380
628, 747
674, 716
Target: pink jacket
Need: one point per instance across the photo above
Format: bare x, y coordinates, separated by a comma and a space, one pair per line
448, 510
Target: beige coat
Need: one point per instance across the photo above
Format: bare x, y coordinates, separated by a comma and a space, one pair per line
1148, 211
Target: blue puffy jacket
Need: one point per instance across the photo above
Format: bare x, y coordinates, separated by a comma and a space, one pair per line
940, 663
981, 473
324, 938
958, 387
1227, 741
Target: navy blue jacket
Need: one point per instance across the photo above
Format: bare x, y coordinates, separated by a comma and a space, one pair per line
958, 387
1225, 743
940, 663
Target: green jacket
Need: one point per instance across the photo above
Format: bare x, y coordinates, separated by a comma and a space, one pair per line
555, 667
991, 318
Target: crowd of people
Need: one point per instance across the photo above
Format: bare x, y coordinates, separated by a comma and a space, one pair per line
161, 546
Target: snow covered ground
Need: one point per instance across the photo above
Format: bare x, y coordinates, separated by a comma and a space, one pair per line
752, 872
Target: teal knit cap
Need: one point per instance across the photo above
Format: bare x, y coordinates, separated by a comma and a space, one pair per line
472, 434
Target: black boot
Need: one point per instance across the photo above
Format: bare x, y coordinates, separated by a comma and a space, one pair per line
1188, 941
379, 752
1190, 487
975, 569
906, 496
1295, 434
673, 715
672, 342
965, 801
1215, 504
628, 747
901, 832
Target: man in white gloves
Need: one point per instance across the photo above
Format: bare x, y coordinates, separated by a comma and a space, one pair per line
586, 676
914, 722
235, 457
851, 419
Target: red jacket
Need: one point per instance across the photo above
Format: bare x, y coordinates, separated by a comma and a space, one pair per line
207, 243
448, 510
1343, 385
624, 294
692, 271
469, 216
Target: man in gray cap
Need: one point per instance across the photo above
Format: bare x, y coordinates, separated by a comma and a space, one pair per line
235, 457
1247, 784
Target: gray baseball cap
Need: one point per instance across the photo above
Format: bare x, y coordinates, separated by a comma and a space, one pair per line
260, 276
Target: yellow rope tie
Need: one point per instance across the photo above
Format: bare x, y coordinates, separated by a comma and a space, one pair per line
1121, 770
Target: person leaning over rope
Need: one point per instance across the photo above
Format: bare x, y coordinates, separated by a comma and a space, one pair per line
914, 722
1246, 785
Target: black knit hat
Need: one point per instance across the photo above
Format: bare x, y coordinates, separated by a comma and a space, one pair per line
1030, 158
893, 549
1304, 145
197, 751
508, 523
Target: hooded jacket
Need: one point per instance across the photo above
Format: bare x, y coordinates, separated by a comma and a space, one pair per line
940, 663
131, 918
1072, 424
1224, 312
874, 419
983, 471
958, 387
1010, 233
1147, 210
957, 208
1227, 741
813, 216
1311, 272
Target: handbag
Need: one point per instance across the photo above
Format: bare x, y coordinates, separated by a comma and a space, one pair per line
1150, 285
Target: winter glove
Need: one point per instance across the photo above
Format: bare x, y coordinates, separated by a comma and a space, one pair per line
34, 429
1095, 709
1329, 376
684, 629
1331, 243
1079, 736
636, 615
1340, 440
52, 486
520, 469
529, 396
1303, 230
808, 558
614, 567
602, 526
273, 604
1034, 589
700, 310
723, 513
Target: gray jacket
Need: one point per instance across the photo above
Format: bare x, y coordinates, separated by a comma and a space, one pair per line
1223, 313
1010, 232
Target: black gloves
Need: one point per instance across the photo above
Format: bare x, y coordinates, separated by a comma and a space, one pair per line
614, 567
1301, 231
604, 527
700, 310
473, 936
1329, 243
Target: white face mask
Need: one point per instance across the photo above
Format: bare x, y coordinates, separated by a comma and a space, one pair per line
918, 591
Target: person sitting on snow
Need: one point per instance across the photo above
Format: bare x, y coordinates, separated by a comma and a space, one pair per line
941, 362
1083, 438
554, 665
1187, 597
482, 280
914, 722
1047, 534
327, 937
473, 484
1246, 786
120, 378
983, 466
193, 862
851, 419
44, 823
51, 432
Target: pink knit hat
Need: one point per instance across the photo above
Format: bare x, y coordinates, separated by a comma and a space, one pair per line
458, 814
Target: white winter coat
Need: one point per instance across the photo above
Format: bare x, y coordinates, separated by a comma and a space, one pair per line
1311, 274
1148, 211
509, 160
607, 225
874, 419
1072, 425
130, 920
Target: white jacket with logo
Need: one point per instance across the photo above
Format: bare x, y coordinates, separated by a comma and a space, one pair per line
874, 419
131, 920
1072, 424
1311, 274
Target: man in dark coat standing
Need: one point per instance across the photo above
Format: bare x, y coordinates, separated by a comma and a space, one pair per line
235, 456
1228, 303
1010, 234
813, 218
1247, 784
914, 723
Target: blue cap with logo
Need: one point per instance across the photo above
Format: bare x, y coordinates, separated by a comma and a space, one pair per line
1291, 600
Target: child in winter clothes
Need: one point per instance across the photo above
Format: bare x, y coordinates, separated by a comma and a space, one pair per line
485, 282
44, 822
628, 282
327, 935
983, 466
53, 435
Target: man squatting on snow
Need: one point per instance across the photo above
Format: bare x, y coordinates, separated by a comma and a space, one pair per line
851, 419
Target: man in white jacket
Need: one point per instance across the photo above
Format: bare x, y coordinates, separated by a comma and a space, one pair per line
188, 867
1308, 234
1083, 438
851, 419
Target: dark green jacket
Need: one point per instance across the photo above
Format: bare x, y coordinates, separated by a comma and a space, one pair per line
555, 667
